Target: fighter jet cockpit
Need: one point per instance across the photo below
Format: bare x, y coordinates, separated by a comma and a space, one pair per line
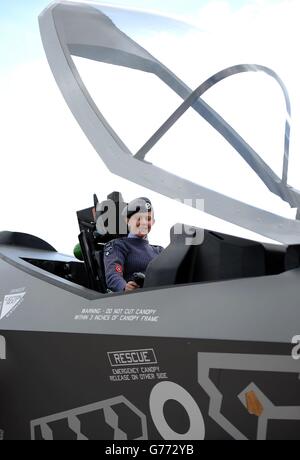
194, 255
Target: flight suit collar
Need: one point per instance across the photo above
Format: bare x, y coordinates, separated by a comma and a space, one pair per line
132, 235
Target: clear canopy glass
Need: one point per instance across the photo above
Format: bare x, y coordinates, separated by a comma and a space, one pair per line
136, 102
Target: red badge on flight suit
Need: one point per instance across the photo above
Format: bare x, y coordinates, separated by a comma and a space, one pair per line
119, 268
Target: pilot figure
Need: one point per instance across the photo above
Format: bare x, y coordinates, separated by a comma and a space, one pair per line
125, 256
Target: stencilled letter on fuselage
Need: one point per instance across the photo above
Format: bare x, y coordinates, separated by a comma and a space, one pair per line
2, 347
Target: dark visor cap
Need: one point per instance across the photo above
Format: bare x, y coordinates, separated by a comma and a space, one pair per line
141, 204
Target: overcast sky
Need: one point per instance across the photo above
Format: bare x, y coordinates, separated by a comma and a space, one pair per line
48, 168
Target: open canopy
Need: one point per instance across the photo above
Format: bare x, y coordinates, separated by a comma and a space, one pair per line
124, 41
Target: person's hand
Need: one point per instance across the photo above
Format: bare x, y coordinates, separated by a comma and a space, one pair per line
131, 286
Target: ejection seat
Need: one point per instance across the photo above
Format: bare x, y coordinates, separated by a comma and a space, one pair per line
92, 241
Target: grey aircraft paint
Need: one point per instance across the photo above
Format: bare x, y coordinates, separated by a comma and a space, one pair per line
178, 361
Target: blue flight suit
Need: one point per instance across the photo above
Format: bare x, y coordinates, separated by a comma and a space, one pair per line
125, 256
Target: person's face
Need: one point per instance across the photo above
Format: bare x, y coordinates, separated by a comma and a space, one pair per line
140, 224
